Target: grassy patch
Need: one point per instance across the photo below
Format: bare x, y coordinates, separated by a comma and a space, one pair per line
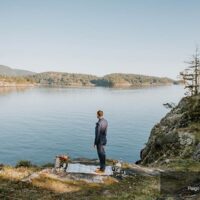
44, 187
183, 165
11, 173
55, 185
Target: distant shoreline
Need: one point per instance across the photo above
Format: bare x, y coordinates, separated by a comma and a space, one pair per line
14, 85
20, 78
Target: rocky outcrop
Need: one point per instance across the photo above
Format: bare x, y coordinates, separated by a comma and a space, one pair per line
177, 136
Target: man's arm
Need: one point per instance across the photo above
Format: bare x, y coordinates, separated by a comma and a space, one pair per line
97, 134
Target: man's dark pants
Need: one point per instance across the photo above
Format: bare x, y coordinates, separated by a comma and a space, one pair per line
102, 156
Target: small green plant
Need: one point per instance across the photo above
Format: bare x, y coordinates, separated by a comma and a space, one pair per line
47, 165
24, 163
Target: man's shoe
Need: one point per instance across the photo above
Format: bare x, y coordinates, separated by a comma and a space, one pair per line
99, 171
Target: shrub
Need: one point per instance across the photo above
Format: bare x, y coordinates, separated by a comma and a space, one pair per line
24, 163
47, 165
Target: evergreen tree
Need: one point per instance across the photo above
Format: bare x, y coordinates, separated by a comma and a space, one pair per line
191, 75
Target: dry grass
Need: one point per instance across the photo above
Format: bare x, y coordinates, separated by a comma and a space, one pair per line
45, 182
15, 173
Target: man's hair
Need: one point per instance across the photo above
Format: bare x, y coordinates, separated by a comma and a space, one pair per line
100, 113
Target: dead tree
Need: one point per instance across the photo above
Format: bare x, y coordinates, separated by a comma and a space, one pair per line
191, 75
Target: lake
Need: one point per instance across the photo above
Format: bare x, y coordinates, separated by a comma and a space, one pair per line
39, 123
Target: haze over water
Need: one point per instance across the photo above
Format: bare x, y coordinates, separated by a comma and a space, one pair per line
39, 123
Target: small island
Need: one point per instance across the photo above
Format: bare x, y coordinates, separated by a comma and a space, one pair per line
10, 77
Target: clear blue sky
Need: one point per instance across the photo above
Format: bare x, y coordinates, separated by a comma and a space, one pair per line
152, 37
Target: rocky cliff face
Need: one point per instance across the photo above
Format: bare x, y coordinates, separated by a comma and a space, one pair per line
177, 136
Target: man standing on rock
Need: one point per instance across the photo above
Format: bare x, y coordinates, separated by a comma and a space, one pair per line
101, 140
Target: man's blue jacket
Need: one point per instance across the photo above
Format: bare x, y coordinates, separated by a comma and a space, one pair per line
101, 132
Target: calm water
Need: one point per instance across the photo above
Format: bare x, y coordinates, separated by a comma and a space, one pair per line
38, 123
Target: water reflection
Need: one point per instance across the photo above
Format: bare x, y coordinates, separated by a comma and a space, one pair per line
8, 90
